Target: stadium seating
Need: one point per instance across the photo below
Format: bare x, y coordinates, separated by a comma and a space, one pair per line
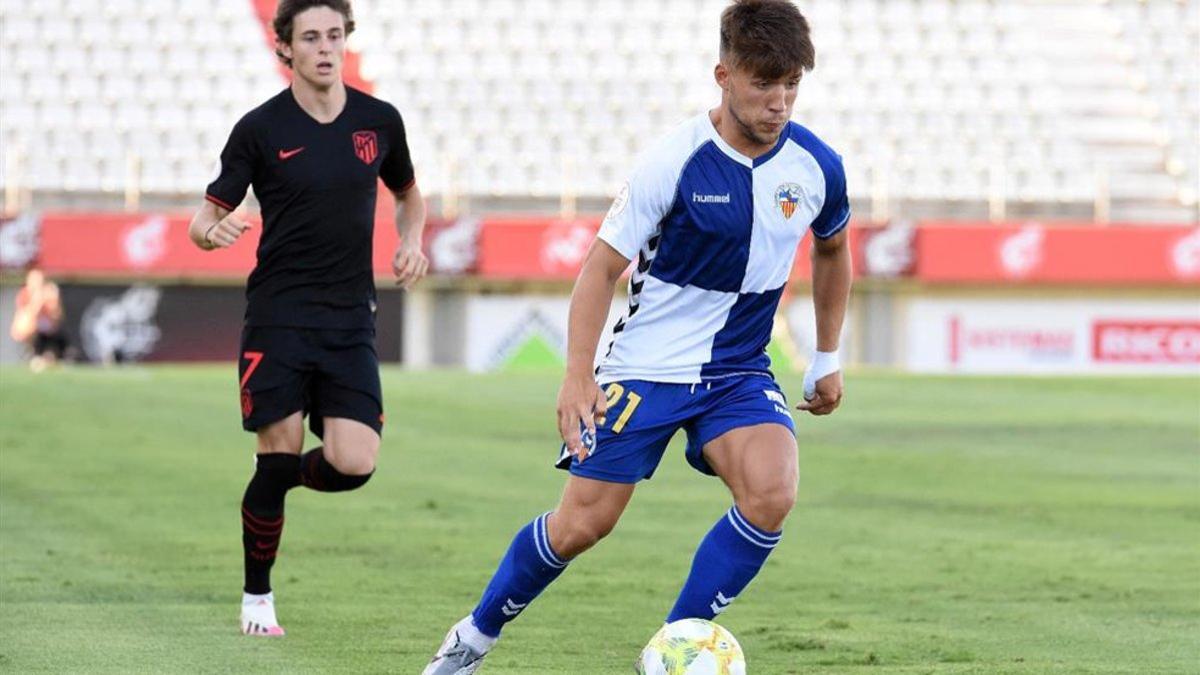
86, 85
928, 100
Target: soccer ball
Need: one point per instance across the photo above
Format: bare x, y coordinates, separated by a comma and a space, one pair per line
692, 647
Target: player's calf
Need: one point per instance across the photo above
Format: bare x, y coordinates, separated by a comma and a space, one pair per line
729, 557
528, 567
262, 516
537, 555
540, 552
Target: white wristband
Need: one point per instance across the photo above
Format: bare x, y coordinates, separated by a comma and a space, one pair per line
822, 364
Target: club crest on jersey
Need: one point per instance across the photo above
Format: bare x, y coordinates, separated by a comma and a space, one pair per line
787, 196
365, 146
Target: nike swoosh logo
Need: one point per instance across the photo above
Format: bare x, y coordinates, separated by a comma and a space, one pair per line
286, 154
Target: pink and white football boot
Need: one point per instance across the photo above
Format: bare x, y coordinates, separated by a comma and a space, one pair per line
258, 616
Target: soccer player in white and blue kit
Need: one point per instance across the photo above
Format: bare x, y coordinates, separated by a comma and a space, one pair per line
712, 215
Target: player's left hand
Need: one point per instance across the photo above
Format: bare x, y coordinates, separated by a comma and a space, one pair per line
409, 264
827, 395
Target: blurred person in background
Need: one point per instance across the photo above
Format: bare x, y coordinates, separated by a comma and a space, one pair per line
713, 214
38, 321
314, 154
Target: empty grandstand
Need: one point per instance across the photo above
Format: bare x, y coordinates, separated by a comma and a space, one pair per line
1081, 108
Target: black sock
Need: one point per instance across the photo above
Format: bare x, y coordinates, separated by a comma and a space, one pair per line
262, 516
318, 474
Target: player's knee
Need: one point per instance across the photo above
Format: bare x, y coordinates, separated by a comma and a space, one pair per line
571, 536
275, 440
319, 472
275, 445
347, 482
767, 508
283, 436
355, 465
354, 461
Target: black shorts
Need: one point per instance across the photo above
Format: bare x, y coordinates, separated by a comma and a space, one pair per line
49, 343
321, 372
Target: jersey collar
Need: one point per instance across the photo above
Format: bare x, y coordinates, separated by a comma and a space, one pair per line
739, 157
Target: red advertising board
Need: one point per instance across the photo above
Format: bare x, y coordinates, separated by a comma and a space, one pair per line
538, 247
1063, 253
859, 236
157, 245
543, 248
534, 247
125, 244
1146, 341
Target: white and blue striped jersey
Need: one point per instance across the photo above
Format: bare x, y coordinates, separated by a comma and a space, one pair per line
715, 235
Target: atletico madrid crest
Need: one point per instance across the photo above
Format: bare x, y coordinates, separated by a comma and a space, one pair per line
365, 146
787, 196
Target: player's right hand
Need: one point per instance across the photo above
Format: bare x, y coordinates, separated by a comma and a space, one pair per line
225, 231
581, 405
826, 395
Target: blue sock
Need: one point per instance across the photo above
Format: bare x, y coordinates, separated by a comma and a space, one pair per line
728, 558
528, 568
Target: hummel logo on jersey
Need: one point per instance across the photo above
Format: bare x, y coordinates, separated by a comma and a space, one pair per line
288, 154
710, 199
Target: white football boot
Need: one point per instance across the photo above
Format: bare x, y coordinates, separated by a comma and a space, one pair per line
461, 652
258, 616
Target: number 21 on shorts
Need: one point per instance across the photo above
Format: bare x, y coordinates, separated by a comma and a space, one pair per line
613, 393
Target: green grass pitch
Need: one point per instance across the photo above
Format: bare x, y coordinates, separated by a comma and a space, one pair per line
973, 525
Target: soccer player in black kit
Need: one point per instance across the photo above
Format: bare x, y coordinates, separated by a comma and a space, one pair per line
313, 153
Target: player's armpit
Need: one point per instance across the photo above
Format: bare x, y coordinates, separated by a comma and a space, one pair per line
401, 192
604, 258
830, 245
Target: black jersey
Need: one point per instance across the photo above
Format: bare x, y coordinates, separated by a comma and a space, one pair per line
317, 187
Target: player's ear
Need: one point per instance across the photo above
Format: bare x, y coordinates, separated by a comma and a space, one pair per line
721, 75
284, 49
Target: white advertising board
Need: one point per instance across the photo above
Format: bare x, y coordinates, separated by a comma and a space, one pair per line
1023, 335
500, 326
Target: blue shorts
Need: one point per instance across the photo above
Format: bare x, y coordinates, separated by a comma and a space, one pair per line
643, 416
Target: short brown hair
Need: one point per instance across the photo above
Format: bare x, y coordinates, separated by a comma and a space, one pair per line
287, 11
769, 38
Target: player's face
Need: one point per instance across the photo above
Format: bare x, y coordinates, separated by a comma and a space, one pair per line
318, 46
759, 106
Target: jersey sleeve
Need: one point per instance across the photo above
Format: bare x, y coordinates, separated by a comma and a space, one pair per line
639, 207
397, 168
835, 213
236, 171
